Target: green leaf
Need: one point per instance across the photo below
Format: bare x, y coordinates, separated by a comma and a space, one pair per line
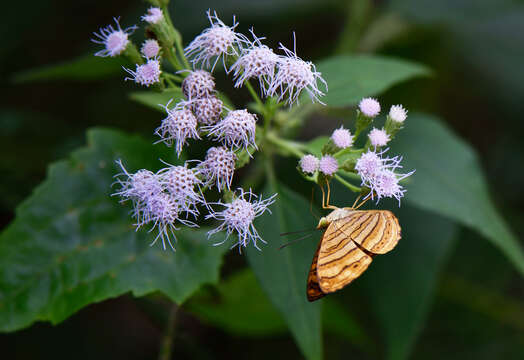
85, 68
449, 181
401, 285
283, 273
72, 244
350, 78
238, 306
153, 99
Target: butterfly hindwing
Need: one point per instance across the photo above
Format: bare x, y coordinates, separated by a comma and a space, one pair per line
340, 260
377, 231
313, 290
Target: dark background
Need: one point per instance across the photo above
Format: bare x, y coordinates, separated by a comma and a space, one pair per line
476, 49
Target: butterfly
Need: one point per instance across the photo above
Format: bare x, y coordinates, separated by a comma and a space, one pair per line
351, 240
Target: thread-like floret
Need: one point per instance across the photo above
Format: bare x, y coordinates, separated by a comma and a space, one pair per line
398, 114
309, 164
145, 74
369, 107
198, 84
218, 167
179, 126
218, 41
378, 137
207, 109
183, 185
238, 217
153, 16
115, 40
294, 75
342, 138
257, 61
328, 165
236, 130
150, 49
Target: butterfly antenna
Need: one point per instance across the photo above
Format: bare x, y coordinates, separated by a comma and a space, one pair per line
294, 241
296, 232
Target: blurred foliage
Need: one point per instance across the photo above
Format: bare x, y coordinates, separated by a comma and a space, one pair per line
474, 49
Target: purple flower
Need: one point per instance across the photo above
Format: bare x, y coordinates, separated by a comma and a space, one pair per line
378, 137
154, 15
150, 49
238, 217
237, 129
114, 40
146, 74
217, 41
328, 165
198, 84
179, 126
309, 164
369, 107
398, 114
342, 138
218, 167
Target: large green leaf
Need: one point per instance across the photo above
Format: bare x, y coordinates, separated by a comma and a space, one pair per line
84, 68
225, 307
449, 181
350, 78
71, 244
283, 273
400, 285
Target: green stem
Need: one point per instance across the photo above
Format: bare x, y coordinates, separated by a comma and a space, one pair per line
255, 96
347, 184
167, 340
286, 145
178, 42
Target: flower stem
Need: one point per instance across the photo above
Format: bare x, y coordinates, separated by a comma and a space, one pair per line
167, 340
288, 146
347, 184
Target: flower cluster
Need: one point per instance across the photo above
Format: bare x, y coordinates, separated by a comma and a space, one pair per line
379, 174
283, 76
174, 195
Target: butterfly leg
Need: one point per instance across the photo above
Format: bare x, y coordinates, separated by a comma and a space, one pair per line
327, 206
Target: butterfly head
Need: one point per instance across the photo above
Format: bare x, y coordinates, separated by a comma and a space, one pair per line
336, 214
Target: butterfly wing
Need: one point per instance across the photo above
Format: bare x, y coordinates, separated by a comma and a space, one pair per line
377, 231
340, 260
313, 290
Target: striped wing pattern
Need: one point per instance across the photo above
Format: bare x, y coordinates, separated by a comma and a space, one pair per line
340, 260
313, 290
377, 231
347, 247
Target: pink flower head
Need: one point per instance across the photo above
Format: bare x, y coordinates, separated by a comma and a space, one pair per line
378, 174
198, 84
309, 164
207, 109
154, 15
237, 129
146, 74
238, 217
328, 165
139, 186
218, 167
398, 114
256, 61
342, 138
150, 49
217, 41
369, 107
179, 125
183, 185
295, 75
378, 137
115, 40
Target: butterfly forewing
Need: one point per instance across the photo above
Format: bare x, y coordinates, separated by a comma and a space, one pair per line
340, 261
377, 231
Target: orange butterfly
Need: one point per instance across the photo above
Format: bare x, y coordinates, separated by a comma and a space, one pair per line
351, 239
